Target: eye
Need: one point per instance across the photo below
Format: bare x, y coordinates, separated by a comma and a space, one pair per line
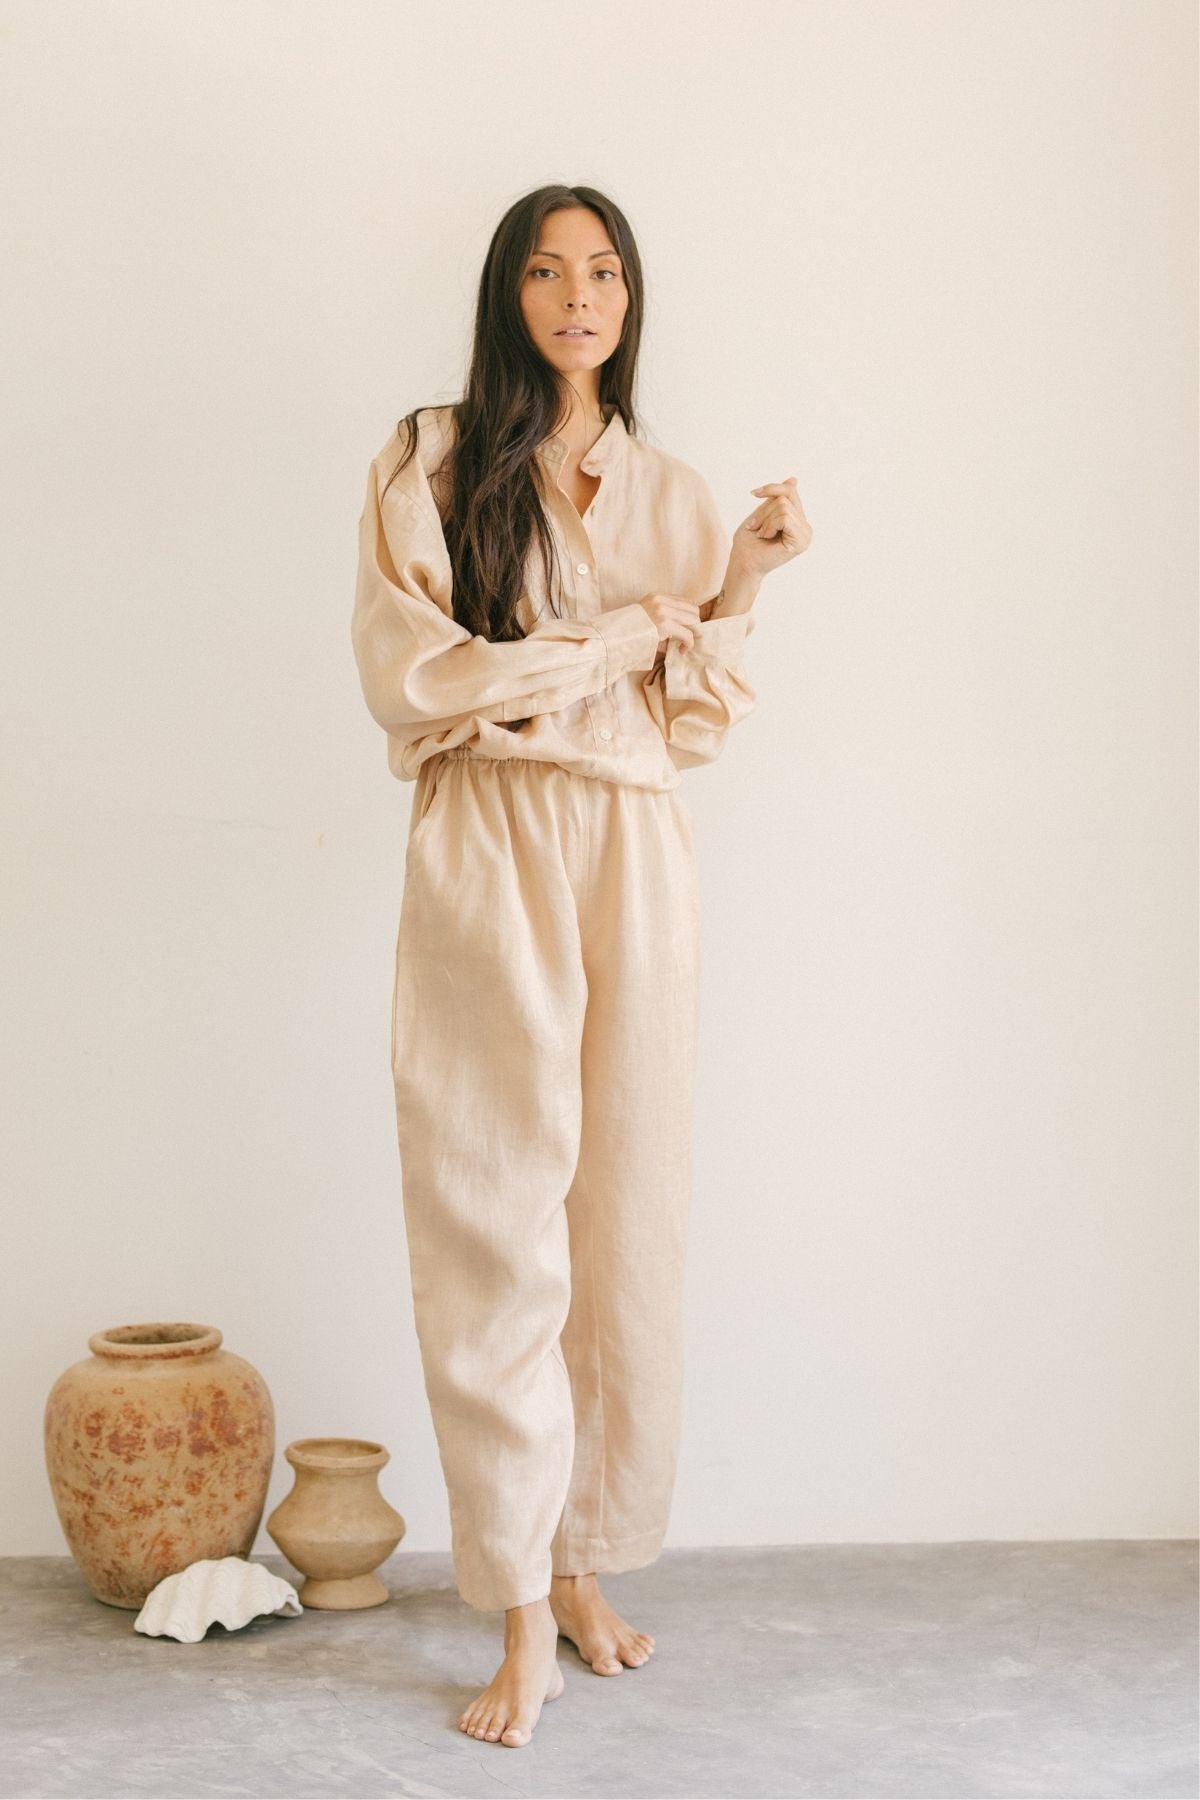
544, 269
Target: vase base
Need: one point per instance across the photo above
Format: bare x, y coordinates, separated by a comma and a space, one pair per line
125, 1605
345, 1595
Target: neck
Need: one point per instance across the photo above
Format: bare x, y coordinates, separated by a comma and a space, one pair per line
582, 404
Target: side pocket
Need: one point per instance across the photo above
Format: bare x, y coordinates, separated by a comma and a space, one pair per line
396, 995
419, 819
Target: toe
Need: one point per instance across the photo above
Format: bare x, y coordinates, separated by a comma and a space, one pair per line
607, 1665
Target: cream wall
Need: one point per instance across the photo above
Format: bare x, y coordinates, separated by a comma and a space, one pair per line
936, 260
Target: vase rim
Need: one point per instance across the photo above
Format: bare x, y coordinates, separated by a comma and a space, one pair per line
337, 1455
158, 1338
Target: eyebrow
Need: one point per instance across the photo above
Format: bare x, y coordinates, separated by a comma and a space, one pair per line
558, 258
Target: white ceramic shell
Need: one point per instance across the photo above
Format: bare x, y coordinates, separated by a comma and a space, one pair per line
225, 1590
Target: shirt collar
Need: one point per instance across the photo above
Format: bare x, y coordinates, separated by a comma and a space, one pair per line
606, 448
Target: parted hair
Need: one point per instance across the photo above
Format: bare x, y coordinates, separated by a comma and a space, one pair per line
488, 488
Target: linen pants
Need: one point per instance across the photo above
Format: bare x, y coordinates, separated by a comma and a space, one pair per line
543, 1051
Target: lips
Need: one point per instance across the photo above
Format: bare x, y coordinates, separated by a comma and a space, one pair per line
575, 331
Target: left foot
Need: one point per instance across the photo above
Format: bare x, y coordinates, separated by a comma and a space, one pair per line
600, 1635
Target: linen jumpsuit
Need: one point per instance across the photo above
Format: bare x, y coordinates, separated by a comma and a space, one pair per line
546, 995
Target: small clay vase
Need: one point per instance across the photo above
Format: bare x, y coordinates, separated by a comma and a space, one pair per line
159, 1449
335, 1526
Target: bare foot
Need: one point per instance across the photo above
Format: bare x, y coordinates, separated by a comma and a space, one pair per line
600, 1635
509, 1706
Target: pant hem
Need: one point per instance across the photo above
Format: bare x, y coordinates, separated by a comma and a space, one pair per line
577, 1555
493, 1600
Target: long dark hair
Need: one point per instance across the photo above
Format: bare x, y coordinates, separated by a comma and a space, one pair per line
489, 486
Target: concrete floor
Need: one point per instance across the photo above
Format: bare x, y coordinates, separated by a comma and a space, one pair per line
1063, 1670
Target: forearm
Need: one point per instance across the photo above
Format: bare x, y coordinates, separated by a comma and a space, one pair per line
737, 595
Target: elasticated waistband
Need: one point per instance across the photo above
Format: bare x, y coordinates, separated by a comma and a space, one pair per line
464, 753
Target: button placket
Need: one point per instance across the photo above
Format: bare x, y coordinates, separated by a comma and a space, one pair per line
601, 708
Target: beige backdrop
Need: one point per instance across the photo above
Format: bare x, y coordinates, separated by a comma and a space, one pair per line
936, 260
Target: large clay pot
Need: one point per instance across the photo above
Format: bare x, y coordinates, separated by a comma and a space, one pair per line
159, 1449
335, 1526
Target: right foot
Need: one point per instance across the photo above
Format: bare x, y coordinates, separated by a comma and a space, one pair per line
508, 1708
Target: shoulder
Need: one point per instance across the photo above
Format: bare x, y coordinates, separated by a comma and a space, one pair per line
673, 481
434, 436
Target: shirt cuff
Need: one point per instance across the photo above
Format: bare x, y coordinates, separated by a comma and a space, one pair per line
723, 638
630, 639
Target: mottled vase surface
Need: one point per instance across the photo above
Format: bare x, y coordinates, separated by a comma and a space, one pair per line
159, 1449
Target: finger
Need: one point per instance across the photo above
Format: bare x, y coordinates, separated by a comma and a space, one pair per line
775, 487
769, 513
786, 506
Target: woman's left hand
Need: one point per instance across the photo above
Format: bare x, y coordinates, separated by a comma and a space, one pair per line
775, 531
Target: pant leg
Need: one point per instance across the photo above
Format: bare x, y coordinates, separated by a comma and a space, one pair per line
629, 1202
489, 1005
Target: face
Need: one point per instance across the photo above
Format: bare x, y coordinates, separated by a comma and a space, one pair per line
574, 279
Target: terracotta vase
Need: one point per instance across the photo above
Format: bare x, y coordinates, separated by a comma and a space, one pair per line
159, 1449
335, 1526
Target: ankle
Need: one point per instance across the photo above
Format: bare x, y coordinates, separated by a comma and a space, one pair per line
566, 1585
531, 1620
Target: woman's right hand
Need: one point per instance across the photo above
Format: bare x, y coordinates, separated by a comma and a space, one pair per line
674, 616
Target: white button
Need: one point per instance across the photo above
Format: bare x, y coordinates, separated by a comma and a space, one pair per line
581, 568
605, 732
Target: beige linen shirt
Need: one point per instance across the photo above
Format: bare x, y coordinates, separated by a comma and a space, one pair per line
581, 691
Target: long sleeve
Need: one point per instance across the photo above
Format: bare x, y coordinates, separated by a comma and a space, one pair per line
696, 696
423, 673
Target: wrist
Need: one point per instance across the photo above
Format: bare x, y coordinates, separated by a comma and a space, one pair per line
738, 594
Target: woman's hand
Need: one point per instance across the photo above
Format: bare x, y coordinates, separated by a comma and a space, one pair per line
675, 618
775, 531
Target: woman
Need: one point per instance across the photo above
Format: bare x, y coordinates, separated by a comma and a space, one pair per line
549, 624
